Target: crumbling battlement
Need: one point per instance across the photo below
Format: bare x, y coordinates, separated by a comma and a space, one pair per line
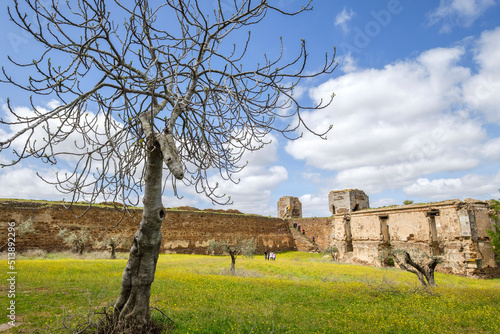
347, 201
289, 207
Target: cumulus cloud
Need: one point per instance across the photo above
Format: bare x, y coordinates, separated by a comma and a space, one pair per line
347, 63
314, 203
342, 19
252, 194
22, 182
451, 13
482, 92
471, 184
406, 121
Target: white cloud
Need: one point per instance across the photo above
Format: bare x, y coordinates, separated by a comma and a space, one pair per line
458, 13
394, 125
383, 202
66, 139
22, 182
343, 18
441, 189
482, 92
253, 193
314, 203
347, 63
491, 150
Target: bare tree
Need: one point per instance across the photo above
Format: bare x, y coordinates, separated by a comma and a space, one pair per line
240, 246
424, 267
134, 93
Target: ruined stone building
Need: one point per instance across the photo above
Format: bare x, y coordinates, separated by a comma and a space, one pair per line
454, 229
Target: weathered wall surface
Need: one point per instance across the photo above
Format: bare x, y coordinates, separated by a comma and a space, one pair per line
190, 232
289, 207
453, 229
183, 231
319, 228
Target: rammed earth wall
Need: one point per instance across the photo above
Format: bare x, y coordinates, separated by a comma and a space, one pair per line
183, 231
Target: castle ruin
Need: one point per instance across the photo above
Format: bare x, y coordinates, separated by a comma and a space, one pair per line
454, 229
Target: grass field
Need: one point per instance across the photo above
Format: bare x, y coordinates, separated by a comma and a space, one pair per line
298, 293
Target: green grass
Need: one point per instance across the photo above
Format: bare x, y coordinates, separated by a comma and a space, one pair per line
299, 293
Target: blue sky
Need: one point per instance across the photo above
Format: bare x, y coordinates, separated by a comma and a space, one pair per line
415, 114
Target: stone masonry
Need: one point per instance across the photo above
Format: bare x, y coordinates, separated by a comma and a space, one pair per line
347, 201
289, 207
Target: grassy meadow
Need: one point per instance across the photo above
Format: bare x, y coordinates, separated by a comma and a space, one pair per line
298, 293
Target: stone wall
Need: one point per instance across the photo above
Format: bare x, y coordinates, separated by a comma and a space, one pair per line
319, 228
453, 229
183, 231
347, 201
289, 207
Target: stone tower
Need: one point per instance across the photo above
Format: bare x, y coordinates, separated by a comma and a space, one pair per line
289, 207
347, 201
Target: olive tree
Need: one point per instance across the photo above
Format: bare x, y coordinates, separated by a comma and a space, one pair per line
245, 247
78, 240
419, 264
113, 241
146, 86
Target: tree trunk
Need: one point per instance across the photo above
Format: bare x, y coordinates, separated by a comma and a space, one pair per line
429, 271
424, 273
132, 306
113, 251
233, 262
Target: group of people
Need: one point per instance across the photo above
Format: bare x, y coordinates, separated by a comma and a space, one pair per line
270, 256
297, 226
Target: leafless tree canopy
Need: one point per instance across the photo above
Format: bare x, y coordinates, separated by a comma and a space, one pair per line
126, 76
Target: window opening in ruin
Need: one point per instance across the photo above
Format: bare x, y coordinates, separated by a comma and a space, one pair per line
333, 209
384, 229
356, 208
348, 235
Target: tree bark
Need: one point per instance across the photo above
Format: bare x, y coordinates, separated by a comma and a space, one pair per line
113, 251
233, 262
429, 271
132, 305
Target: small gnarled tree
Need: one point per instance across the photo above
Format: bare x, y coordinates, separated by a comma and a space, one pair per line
78, 240
113, 241
421, 265
140, 85
245, 247
333, 251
